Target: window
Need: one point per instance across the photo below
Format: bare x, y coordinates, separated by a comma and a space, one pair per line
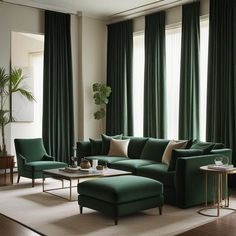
204, 32
173, 57
138, 83
173, 54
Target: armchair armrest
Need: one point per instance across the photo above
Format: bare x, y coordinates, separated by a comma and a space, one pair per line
190, 182
21, 161
46, 157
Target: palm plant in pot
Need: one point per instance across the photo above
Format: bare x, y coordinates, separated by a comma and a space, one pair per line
9, 84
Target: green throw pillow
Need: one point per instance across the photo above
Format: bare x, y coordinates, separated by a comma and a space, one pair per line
96, 146
154, 149
177, 153
205, 146
106, 142
136, 145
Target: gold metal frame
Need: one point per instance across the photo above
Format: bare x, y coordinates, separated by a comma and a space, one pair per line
217, 185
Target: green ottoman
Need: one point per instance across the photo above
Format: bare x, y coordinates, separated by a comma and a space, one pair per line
120, 195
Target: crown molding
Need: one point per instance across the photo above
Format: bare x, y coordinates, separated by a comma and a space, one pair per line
32, 4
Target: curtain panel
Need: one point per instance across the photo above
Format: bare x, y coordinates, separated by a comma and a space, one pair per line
221, 87
58, 124
119, 118
189, 72
154, 76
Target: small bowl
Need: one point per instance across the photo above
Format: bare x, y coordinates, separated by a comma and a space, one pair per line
99, 167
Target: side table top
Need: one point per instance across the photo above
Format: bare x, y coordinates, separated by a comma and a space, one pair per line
217, 171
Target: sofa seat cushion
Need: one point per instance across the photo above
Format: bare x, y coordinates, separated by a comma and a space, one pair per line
44, 165
106, 159
130, 164
120, 189
158, 172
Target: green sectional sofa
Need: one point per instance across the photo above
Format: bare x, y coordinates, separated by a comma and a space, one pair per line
184, 184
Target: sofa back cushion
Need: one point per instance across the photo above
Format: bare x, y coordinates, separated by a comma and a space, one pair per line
166, 158
96, 146
136, 145
205, 146
154, 149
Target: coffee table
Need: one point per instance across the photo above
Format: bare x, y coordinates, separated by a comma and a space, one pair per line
77, 175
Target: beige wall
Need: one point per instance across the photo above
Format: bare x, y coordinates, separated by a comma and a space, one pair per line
93, 70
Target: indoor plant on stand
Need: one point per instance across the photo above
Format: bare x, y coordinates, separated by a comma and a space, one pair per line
9, 84
101, 94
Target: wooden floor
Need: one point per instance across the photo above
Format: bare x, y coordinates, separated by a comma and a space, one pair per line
225, 226
10, 227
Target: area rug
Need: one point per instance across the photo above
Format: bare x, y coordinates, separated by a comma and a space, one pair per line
52, 215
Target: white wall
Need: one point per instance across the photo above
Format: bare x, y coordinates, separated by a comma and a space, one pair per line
21, 48
94, 43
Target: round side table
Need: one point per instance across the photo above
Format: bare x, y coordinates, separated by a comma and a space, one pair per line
218, 177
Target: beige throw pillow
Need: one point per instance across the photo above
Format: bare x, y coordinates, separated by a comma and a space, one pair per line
166, 157
118, 148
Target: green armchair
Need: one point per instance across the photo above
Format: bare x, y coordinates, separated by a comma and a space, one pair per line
32, 159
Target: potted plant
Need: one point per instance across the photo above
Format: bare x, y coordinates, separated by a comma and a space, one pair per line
9, 84
101, 95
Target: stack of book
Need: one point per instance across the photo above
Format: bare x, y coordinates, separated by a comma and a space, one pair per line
221, 167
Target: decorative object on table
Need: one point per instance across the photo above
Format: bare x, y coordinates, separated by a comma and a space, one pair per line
99, 167
74, 158
94, 163
85, 164
101, 95
10, 84
221, 160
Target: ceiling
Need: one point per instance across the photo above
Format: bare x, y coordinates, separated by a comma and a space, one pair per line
105, 9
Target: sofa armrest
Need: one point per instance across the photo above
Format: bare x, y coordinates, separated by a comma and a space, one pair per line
190, 181
46, 157
83, 149
224, 152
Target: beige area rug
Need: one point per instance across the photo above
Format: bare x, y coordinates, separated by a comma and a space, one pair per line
52, 215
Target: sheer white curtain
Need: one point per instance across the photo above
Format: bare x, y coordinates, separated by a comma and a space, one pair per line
138, 83
173, 56
173, 53
204, 33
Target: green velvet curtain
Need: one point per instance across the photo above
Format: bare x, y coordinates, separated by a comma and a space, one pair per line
189, 73
58, 124
221, 87
154, 76
119, 117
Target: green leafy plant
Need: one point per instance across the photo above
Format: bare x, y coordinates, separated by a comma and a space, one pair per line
101, 95
9, 84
